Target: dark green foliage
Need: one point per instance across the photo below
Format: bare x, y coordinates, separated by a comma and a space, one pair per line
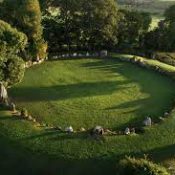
132, 166
11, 39
25, 15
170, 14
12, 43
83, 24
132, 26
163, 37
14, 70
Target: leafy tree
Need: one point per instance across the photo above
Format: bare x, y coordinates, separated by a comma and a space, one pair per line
12, 43
11, 39
133, 26
13, 69
100, 23
170, 14
163, 37
25, 15
84, 24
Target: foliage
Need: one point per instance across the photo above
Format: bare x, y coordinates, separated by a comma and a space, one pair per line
162, 38
13, 70
25, 15
133, 166
83, 24
12, 43
11, 39
133, 25
170, 14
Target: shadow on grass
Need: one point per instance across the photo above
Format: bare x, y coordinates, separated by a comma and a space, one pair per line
11, 118
158, 88
63, 92
56, 135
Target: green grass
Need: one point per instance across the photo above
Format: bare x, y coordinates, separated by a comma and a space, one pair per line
90, 92
84, 93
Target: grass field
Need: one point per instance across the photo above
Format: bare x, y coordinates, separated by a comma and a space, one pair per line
85, 93
90, 92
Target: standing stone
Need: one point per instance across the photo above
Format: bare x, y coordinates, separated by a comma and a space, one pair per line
98, 130
69, 129
104, 53
127, 131
147, 121
3, 93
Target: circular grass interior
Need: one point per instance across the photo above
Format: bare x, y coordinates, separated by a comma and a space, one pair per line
83, 93
90, 92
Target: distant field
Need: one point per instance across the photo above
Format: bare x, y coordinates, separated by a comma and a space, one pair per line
156, 9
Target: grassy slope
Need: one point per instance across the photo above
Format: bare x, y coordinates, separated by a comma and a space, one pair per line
158, 141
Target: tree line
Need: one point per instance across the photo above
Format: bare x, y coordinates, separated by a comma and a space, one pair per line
29, 27
92, 25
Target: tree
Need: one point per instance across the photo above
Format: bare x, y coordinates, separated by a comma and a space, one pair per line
170, 14
85, 24
163, 37
25, 15
11, 39
132, 27
100, 23
13, 70
12, 43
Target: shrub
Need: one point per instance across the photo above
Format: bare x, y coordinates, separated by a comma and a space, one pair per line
11, 39
133, 166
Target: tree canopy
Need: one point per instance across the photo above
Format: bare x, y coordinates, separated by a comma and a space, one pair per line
86, 24
12, 43
25, 15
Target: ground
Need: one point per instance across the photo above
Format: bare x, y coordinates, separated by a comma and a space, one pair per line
85, 93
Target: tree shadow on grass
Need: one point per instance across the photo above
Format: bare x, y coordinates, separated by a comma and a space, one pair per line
64, 92
159, 98
10, 118
56, 135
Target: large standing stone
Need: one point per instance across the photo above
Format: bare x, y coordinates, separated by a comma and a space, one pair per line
98, 130
3, 93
